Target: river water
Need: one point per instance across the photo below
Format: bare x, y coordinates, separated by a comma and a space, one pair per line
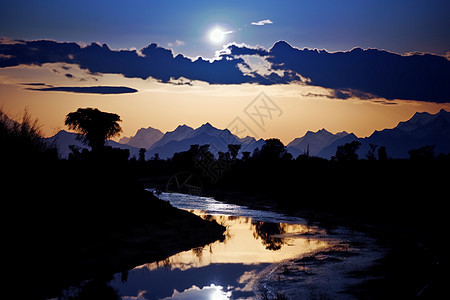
265, 255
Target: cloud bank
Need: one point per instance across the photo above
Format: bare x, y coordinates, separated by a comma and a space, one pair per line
366, 73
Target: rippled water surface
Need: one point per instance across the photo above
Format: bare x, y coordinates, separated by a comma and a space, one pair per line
255, 240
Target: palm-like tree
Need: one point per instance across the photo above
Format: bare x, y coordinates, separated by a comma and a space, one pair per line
94, 126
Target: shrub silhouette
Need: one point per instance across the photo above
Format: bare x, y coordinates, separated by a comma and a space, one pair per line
347, 152
382, 154
273, 149
234, 150
423, 153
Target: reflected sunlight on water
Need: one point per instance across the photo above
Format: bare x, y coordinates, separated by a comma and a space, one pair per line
222, 270
248, 242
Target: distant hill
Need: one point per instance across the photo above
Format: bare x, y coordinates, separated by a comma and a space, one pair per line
422, 129
313, 142
144, 138
64, 139
180, 133
184, 136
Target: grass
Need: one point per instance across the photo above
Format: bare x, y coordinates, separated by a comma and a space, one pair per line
22, 139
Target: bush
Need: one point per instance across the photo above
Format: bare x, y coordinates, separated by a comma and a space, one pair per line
23, 141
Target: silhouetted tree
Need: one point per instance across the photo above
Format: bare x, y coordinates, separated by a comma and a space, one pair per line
78, 153
423, 153
371, 154
204, 152
194, 149
273, 149
382, 154
142, 154
94, 126
245, 155
234, 150
347, 152
224, 156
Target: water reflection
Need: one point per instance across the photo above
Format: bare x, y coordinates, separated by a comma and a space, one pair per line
265, 231
253, 241
247, 242
215, 292
163, 283
212, 291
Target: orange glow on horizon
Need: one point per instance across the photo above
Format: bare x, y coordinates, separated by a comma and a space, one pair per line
165, 106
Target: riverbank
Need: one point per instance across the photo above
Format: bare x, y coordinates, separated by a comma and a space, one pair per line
410, 266
79, 222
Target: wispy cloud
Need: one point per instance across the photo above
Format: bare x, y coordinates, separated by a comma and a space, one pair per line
262, 22
177, 43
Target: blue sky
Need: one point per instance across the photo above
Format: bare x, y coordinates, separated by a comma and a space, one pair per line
359, 91
399, 26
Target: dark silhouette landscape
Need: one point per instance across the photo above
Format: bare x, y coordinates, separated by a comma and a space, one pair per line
86, 215
205, 150
83, 218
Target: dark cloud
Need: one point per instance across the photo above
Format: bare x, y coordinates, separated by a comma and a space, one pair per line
235, 49
371, 72
152, 61
35, 84
356, 73
104, 90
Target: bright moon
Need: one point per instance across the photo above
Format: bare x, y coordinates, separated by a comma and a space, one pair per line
217, 35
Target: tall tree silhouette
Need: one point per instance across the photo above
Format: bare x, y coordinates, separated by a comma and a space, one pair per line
94, 126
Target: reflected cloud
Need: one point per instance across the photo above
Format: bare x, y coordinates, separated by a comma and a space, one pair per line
222, 281
214, 292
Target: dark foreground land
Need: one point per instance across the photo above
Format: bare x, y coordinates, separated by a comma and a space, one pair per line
399, 202
64, 223
402, 203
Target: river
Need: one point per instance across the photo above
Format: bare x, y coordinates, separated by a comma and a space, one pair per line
265, 255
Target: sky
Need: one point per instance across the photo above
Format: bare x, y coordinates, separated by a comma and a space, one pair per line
154, 87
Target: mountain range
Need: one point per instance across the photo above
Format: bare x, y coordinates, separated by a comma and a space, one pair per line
421, 130
166, 145
144, 138
313, 142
